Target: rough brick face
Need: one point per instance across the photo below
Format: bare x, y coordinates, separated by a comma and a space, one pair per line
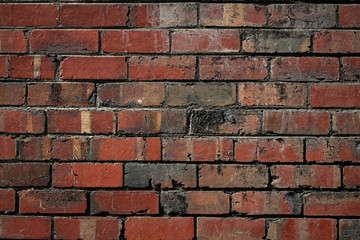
13, 42
21, 227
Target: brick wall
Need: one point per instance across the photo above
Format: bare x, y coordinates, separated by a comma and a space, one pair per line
180, 120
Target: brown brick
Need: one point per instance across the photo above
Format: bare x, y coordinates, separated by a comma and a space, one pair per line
13, 121
349, 16
35, 148
337, 41
201, 202
346, 122
7, 200
13, 42
8, 148
12, 94
25, 227
335, 95
351, 176
348, 229
350, 69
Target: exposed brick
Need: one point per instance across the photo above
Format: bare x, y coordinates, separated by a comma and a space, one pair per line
259, 203
350, 69
29, 15
73, 228
52, 201
297, 123
145, 15
339, 95
131, 94
205, 40
276, 41
71, 121
24, 174
332, 204
230, 228
160, 175
25, 227
13, 42
233, 68
349, 16
201, 94
304, 68
61, 94
7, 200
35, 148
233, 176
152, 228
87, 175
319, 176
201, 202
82, 15
337, 42
12, 94
346, 122
351, 176
232, 15
349, 229
135, 41
69, 148
124, 202
162, 68
12, 121
95, 68
8, 148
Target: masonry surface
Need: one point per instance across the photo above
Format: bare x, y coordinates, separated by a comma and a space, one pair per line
202, 120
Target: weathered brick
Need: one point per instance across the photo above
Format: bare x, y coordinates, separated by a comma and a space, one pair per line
349, 16
319, 176
297, 123
233, 176
25, 227
276, 41
87, 175
61, 94
24, 174
13, 42
35, 148
17, 121
272, 94
331, 95
349, 229
337, 41
160, 175
52, 201
162, 68
350, 69
12, 94
346, 122
7, 200
201, 94
233, 68
332, 204
232, 15
69, 148
95, 68
175, 228
124, 202
351, 176
135, 41
205, 40
131, 94
8, 148
82, 15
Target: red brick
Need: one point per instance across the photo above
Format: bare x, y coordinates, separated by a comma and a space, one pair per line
34, 67
351, 176
233, 68
12, 94
13, 41
73, 148
8, 148
24, 174
297, 123
96, 68
304, 68
232, 15
332, 204
349, 16
302, 15
125, 149
52, 201
162, 68
12, 121
61, 94
207, 202
81, 15
22, 227
29, 15
135, 41
339, 95
333, 150
350, 69
71, 121
35, 148
205, 40
319, 176
273, 94
337, 42
73, 228
145, 15
306, 228
229, 228
346, 122
259, 203
131, 94
233, 176
87, 175
7, 200
149, 121
124, 202
174, 228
